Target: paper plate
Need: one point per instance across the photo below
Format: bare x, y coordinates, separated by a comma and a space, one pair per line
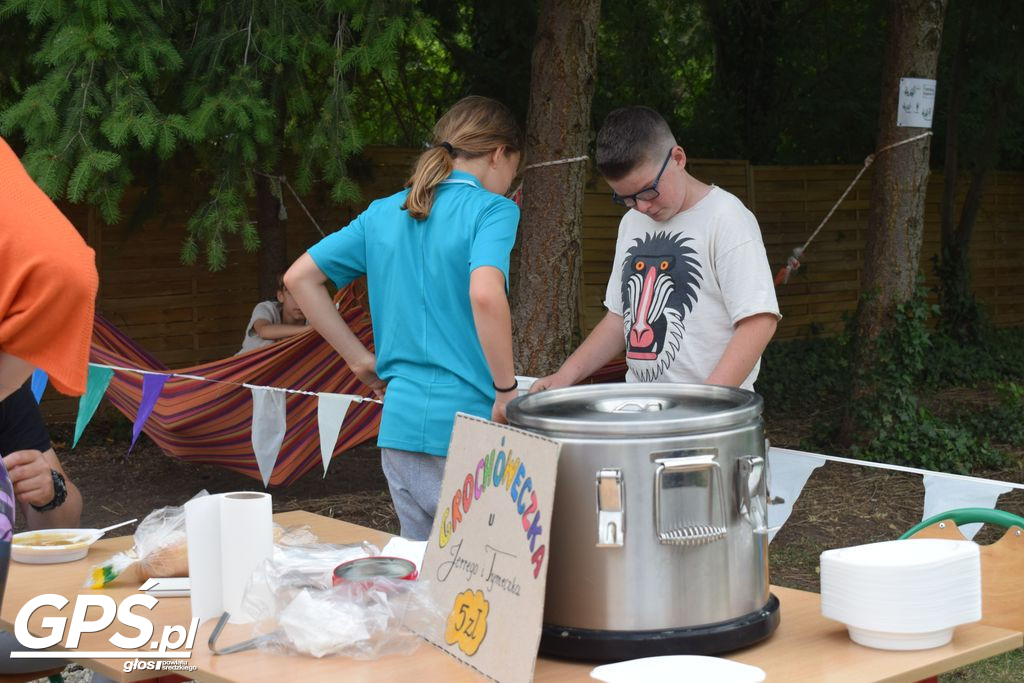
676, 668
51, 546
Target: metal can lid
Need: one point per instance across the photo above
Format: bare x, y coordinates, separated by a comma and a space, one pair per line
379, 567
634, 409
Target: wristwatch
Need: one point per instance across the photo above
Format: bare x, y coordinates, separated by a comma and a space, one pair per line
60, 493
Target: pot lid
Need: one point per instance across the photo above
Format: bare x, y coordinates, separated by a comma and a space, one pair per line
634, 409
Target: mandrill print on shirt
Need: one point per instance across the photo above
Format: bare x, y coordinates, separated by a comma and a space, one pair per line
660, 283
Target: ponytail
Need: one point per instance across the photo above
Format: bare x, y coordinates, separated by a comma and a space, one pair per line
473, 127
432, 167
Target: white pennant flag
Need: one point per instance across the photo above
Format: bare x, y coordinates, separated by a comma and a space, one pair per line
330, 413
788, 472
942, 494
268, 427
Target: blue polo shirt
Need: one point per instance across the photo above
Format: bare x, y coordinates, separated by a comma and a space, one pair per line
418, 279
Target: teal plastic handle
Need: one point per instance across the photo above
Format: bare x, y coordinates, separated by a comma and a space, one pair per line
971, 516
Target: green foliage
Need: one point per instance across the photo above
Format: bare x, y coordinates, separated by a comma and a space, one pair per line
802, 375
893, 426
247, 87
95, 80
814, 376
1002, 422
997, 357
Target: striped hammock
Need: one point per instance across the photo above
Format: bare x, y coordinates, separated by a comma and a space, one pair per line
210, 422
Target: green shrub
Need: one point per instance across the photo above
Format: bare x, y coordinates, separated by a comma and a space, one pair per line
814, 377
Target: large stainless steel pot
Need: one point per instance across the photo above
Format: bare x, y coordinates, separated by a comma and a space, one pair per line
659, 541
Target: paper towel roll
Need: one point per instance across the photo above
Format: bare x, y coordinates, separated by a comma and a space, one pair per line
247, 538
229, 534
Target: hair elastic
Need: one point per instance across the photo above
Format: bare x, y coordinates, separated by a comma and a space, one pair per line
515, 385
448, 147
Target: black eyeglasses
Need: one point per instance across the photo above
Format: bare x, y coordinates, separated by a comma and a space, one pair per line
648, 193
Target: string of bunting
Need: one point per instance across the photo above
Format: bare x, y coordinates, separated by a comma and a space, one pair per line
269, 419
788, 470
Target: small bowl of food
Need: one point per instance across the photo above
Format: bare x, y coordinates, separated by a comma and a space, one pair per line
52, 546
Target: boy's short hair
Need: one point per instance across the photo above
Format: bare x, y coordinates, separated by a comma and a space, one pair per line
629, 137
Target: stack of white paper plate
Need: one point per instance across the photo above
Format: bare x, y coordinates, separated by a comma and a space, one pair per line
902, 595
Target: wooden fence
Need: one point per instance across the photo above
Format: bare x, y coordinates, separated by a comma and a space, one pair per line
186, 315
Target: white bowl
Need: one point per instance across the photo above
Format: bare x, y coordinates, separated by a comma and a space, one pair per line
50, 546
674, 668
881, 640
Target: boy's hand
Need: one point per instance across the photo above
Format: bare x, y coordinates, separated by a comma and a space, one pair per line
554, 381
30, 476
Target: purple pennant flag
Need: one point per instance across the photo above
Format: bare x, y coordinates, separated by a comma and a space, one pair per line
152, 385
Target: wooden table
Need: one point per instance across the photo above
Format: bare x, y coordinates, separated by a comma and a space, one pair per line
806, 646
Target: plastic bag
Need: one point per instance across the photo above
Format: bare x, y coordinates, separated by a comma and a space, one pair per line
297, 609
160, 549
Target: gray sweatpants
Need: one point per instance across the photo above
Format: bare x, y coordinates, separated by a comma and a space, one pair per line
415, 483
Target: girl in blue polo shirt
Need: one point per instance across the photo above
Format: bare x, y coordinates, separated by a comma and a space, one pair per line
436, 258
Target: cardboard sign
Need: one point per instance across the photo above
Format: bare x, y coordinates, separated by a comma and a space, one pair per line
487, 557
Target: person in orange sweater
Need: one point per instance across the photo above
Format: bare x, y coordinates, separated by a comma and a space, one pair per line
48, 285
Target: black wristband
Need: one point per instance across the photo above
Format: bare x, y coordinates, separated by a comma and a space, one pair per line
60, 493
515, 385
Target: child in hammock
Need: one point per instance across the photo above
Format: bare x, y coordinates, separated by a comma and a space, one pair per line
274, 320
436, 258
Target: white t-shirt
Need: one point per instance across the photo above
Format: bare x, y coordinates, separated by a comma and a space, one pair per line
681, 286
264, 310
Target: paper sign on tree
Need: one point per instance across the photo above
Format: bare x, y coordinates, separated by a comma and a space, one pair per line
487, 557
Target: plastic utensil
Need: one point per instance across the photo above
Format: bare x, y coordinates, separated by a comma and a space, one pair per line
96, 534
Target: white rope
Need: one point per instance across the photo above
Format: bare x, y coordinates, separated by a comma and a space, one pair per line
556, 162
139, 371
793, 262
896, 468
283, 179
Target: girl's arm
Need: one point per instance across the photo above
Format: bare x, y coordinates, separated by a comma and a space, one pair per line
493, 322
305, 281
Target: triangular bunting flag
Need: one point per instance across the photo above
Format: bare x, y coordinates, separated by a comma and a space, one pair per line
942, 494
95, 388
39, 380
268, 427
330, 413
152, 385
788, 473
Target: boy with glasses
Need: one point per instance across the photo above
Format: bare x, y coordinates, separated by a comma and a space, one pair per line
690, 298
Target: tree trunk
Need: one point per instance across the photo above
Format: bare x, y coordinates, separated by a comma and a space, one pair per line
545, 297
960, 313
896, 219
272, 258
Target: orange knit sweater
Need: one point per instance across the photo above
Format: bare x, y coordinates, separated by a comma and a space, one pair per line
48, 281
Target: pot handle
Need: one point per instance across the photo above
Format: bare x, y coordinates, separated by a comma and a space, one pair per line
713, 526
611, 508
752, 491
